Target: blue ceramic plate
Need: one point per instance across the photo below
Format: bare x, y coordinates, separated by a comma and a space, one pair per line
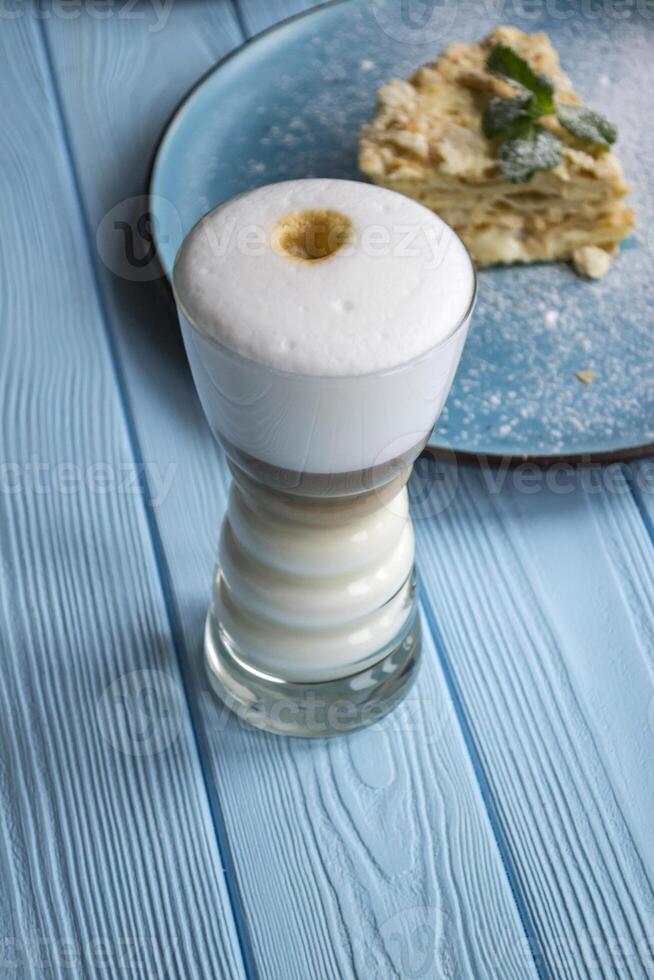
290, 103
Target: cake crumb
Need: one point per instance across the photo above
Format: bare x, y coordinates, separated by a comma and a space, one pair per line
586, 376
591, 261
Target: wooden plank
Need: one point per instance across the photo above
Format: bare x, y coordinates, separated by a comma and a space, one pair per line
542, 600
640, 478
108, 855
371, 856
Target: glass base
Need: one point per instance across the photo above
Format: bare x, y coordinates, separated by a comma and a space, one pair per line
313, 710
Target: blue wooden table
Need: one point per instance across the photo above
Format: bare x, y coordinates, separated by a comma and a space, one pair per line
498, 825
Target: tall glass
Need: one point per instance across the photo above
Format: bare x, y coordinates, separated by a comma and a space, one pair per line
313, 627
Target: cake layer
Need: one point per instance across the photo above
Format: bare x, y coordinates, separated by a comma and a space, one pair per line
426, 142
507, 233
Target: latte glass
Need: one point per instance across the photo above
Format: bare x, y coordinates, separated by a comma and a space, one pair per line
313, 627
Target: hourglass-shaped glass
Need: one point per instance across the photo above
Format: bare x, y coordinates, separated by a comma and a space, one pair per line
324, 321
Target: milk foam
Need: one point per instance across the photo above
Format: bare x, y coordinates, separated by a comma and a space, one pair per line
398, 287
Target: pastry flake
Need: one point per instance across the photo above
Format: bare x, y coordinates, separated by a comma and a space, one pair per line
426, 140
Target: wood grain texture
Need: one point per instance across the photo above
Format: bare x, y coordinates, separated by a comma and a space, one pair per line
363, 857
372, 853
640, 476
108, 858
542, 599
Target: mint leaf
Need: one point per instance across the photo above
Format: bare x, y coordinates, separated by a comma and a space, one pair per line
587, 125
530, 149
525, 146
501, 114
507, 64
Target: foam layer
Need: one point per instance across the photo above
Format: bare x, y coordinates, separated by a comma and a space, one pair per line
398, 281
